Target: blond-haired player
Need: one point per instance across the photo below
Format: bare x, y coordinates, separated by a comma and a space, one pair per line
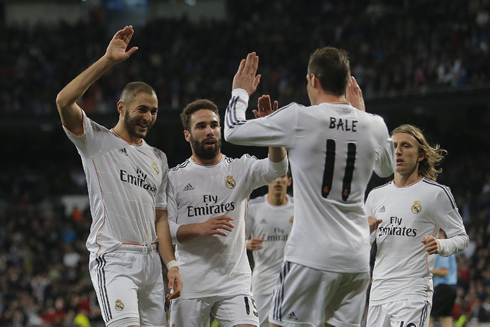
126, 181
207, 204
411, 208
334, 149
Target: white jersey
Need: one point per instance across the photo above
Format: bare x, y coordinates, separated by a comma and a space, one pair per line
333, 149
403, 269
216, 265
274, 224
126, 183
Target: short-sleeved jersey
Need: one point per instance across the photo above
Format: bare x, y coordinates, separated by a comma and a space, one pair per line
126, 183
403, 269
216, 265
333, 150
274, 224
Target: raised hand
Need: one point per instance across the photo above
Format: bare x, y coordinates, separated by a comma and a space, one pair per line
116, 51
246, 77
216, 226
431, 244
264, 107
354, 96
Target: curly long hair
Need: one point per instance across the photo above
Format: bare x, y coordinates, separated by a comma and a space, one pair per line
433, 154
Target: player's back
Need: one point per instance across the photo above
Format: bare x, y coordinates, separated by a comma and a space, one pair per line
335, 150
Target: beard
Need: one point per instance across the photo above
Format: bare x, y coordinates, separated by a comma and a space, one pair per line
201, 151
132, 124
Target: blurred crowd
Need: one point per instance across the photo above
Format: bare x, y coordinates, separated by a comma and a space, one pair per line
396, 48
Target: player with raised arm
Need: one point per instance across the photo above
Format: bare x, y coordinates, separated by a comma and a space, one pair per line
126, 180
333, 149
412, 208
207, 204
269, 222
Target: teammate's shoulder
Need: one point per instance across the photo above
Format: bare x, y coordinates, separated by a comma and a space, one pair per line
382, 187
244, 158
432, 183
181, 166
286, 108
258, 200
437, 188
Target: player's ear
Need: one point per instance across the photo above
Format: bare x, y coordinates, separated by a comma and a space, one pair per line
120, 107
290, 180
314, 81
187, 135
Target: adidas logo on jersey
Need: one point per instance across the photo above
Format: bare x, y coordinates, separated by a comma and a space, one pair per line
382, 209
291, 316
263, 221
188, 187
123, 151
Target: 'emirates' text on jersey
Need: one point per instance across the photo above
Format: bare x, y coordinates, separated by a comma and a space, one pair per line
403, 268
216, 265
333, 149
274, 224
126, 183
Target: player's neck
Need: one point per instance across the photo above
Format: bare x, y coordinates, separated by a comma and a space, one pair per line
406, 179
277, 199
202, 161
123, 133
327, 97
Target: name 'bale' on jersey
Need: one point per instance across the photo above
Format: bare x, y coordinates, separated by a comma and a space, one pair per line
333, 150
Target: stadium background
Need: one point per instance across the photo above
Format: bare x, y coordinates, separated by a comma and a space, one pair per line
423, 62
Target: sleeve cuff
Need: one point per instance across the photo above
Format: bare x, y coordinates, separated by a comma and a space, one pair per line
240, 93
281, 166
174, 227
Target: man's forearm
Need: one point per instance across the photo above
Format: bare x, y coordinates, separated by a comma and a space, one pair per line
453, 245
277, 154
164, 240
187, 233
78, 86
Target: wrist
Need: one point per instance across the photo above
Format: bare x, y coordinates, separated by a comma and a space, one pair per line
172, 264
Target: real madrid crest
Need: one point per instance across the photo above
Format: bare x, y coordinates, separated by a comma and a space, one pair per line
155, 167
230, 182
291, 220
416, 207
119, 305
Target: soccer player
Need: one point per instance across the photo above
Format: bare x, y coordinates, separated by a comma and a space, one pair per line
207, 203
126, 180
269, 222
333, 149
445, 279
412, 208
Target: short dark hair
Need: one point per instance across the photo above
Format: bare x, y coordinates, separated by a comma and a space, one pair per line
194, 106
331, 67
132, 89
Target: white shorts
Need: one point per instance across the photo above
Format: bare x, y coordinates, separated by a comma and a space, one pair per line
403, 313
228, 311
264, 305
129, 287
310, 297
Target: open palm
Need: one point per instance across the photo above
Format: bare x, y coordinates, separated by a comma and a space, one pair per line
116, 51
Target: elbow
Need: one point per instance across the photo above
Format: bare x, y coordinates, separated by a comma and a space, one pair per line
61, 102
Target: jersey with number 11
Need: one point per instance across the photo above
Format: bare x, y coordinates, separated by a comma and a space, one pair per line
333, 150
